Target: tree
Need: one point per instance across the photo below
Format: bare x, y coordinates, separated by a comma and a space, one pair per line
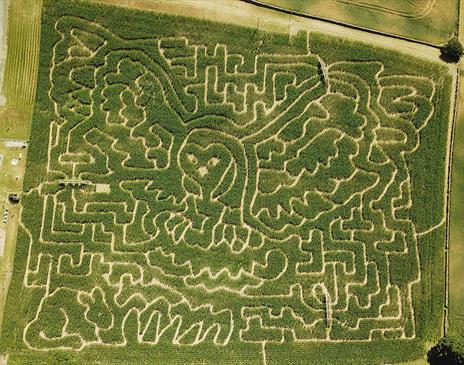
448, 351
62, 358
452, 50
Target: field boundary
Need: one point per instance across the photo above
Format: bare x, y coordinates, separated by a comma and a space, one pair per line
453, 122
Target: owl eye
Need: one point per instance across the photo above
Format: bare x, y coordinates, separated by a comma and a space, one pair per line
202, 171
213, 161
192, 158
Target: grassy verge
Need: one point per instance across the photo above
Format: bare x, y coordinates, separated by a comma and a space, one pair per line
456, 244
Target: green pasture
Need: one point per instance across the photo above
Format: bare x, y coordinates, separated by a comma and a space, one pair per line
9, 184
19, 78
425, 20
456, 240
220, 194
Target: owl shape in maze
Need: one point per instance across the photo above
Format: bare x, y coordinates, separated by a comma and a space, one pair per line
245, 198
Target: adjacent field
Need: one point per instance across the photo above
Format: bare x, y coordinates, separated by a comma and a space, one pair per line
3, 22
431, 21
9, 184
19, 79
187, 197
456, 244
19, 83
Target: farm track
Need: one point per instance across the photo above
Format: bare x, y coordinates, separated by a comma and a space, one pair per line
418, 15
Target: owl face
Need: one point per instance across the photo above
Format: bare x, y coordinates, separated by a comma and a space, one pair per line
206, 166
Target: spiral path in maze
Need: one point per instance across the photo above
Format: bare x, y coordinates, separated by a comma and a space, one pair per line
188, 200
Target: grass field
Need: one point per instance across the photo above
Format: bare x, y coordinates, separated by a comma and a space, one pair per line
456, 246
187, 197
9, 184
19, 79
19, 83
431, 21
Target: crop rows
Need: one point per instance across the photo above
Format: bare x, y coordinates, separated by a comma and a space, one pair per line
20, 67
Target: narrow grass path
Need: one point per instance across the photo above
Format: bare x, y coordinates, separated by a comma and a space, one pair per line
456, 244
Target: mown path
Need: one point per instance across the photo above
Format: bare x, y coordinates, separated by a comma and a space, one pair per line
455, 261
246, 14
3, 16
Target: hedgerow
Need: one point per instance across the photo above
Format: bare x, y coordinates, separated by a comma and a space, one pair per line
187, 195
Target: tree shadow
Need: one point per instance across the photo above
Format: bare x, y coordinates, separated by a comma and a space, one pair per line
445, 352
448, 58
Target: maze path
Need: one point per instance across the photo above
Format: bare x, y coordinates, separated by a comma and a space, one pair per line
257, 206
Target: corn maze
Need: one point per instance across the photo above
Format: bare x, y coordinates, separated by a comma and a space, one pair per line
193, 195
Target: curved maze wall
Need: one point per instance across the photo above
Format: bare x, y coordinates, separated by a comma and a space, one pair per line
263, 206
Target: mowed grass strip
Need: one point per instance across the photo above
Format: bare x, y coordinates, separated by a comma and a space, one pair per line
9, 184
21, 64
456, 244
